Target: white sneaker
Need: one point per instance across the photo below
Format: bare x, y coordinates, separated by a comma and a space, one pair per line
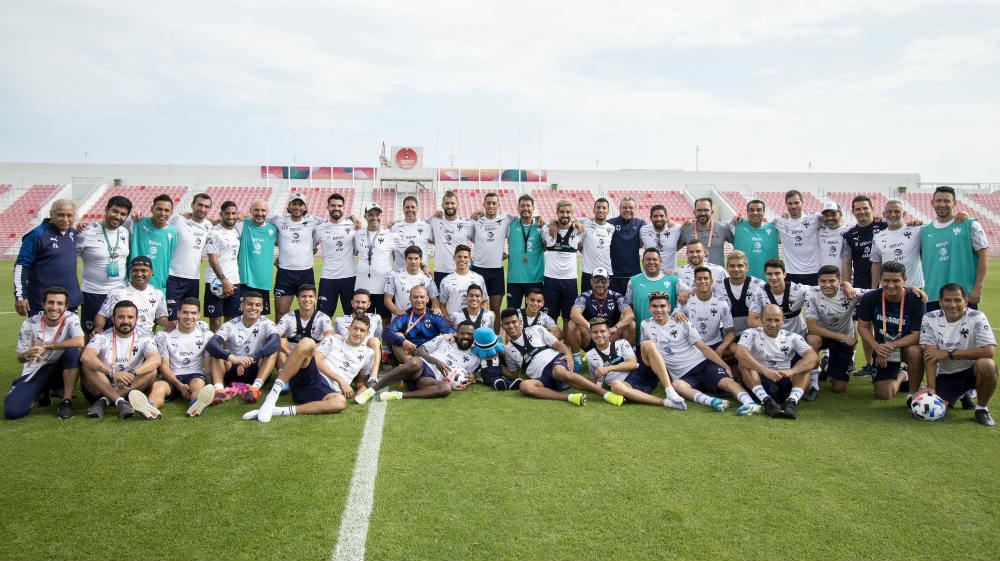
142, 406
363, 397
205, 397
389, 396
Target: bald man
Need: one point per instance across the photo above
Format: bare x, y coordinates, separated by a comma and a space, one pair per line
256, 256
47, 258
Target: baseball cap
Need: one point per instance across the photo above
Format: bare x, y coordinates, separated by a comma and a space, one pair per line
372, 206
297, 197
141, 261
831, 206
600, 272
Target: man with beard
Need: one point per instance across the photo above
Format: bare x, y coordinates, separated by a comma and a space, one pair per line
831, 236
149, 301
154, 237
662, 234
374, 246
450, 231
411, 232
417, 325
696, 258
47, 258
600, 302
185, 263
560, 263
223, 249
779, 290
651, 279
953, 251
526, 264
799, 235
489, 234
428, 379
251, 348
360, 304
256, 253
103, 247
336, 238
118, 361
625, 245
898, 242
858, 243
295, 252
596, 242
758, 240
712, 234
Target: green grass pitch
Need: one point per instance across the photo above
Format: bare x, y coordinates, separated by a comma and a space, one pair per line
488, 475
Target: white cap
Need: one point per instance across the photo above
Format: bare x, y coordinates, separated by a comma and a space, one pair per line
831, 206
297, 197
372, 206
600, 272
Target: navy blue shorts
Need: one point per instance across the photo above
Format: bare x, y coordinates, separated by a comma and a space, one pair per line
265, 293
178, 289
841, 357
890, 372
548, 379
516, 292
309, 384
378, 308
438, 277
216, 307
559, 297
184, 379
643, 379
23, 392
333, 290
414, 385
705, 377
951, 386
248, 377
91, 305
811, 279
287, 281
494, 280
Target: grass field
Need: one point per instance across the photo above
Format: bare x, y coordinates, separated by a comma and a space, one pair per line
489, 475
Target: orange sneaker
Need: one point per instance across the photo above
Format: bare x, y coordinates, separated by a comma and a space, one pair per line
251, 394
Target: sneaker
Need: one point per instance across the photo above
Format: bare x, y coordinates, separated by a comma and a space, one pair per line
125, 409
909, 401
143, 408
66, 409
984, 418
578, 399
500, 385
205, 398
811, 394
614, 399
251, 394
577, 365
748, 409
867, 370
219, 396
790, 410
96, 409
719, 404
967, 401
251, 415
363, 397
515, 385
389, 396
771, 407
823, 362
44, 399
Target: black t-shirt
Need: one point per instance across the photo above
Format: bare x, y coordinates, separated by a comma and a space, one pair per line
870, 309
859, 241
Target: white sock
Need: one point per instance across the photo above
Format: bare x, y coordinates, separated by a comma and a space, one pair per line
283, 411
702, 399
258, 383
273, 395
760, 393
569, 398
972, 393
672, 395
675, 404
744, 398
796, 394
218, 386
119, 401
983, 407
814, 379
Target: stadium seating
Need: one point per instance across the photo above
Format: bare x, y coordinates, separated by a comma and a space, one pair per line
678, 208
924, 202
427, 204
4, 188
736, 200
20, 215
775, 201
316, 200
141, 196
989, 200
242, 196
546, 199
844, 199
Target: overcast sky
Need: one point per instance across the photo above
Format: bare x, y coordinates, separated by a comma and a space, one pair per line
851, 86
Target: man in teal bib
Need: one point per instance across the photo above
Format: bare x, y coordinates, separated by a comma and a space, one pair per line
256, 255
953, 252
525, 261
154, 238
756, 238
649, 280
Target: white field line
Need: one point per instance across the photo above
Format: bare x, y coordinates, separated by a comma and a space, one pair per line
354, 522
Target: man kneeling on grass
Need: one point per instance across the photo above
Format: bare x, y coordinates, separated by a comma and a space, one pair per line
537, 353
319, 376
613, 364
424, 374
182, 366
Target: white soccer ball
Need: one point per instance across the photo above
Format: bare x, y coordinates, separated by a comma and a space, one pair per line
459, 379
928, 407
216, 288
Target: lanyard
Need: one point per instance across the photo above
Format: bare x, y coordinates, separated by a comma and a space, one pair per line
371, 250
62, 321
599, 304
114, 347
711, 232
885, 313
526, 234
112, 253
410, 324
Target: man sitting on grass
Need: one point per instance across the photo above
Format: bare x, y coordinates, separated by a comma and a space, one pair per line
304, 323
360, 302
613, 364
416, 326
251, 348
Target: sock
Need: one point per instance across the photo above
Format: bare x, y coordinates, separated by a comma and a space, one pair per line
702, 399
909, 396
796, 394
257, 383
672, 395
273, 395
278, 384
760, 393
284, 411
744, 398
814, 379
118, 401
218, 386
972, 393
569, 398
983, 407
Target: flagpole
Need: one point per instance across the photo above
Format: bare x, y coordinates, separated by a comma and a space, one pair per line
309, 147
288, 181
519, 161
331, 160
352, 162
267, 160
479, 162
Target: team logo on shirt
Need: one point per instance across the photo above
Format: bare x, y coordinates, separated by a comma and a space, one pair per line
784, 349
965, 332
714, 311
255, 331
805, 223
957, 230
907, 234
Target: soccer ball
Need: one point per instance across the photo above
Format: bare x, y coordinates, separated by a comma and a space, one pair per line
928, 407
459, 379
216, 288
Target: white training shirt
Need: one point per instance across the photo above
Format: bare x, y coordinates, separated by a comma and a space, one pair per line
345, 359
797, 292
595, 361
93, 250
287, 326
400, 283
538, 337
775, 353
676, 343
224, 242
543, 319
113, 350
416, 233
337, 241
596, 245
686, 273
665, 241
374, 251
971, 331
485, 317
976, 232
448, 234
454, 287
490, 235
295, 241
832, 249
835, 314
800, 242
709, 318
150, 304
342, 324
902, 245
448, 352
184, 352
34, 332
245, 341
561, 264
185, 262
